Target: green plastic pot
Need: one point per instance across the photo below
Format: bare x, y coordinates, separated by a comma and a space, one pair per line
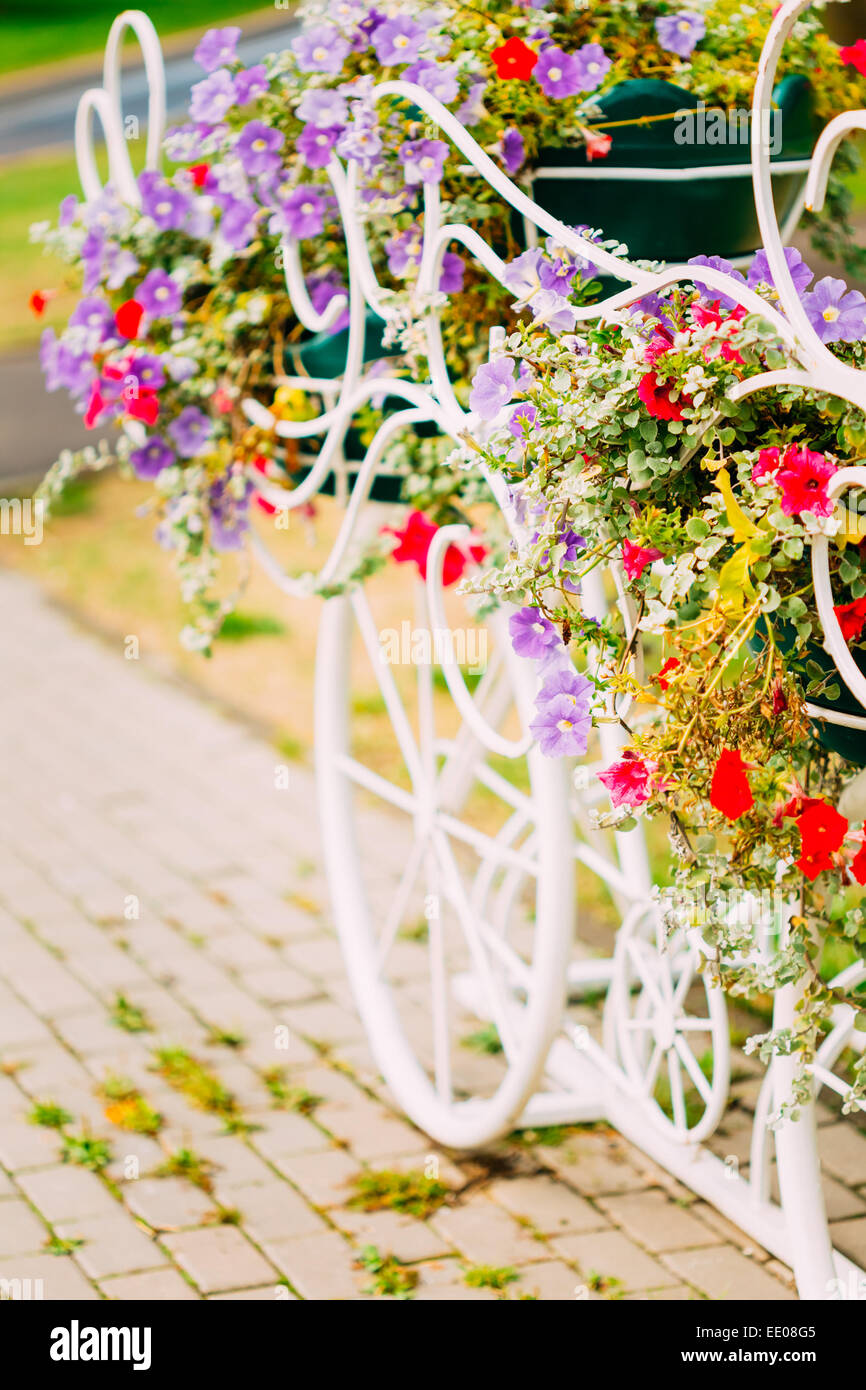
848, 743
667, 220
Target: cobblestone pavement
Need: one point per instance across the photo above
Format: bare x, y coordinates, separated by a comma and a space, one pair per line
161, 905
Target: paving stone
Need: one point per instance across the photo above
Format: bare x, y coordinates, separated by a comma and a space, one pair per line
112, 1245
319, 1267
167, 1203
548, 1205
21, 1232
154, 1286
273, 1211
486, 1234
593, 1163
323, 1178
368, 1129
52, 1277
454, 1293
551, 1279
23, 1145
406, 1237
67, 1193
219, 1258
850, 1238
268, 1293
724, 1273
843, 1152
656, 1222
284, 1133
614, 1256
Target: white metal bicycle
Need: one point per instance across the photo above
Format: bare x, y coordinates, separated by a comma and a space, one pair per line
494, 845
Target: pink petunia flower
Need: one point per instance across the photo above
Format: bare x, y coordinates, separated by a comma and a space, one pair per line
803, 479
630, 779
768, 465
635, 558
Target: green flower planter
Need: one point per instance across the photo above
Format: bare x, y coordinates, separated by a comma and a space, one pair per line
848, 743
673, 220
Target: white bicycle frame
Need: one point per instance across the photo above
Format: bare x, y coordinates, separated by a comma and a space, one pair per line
589, 1085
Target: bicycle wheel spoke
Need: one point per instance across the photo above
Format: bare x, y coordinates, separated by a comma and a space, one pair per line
400, 902
380, 786
690, 1062
458, 899
388, 687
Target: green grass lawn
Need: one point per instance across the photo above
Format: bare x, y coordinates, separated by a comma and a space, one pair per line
55, 29
30, 191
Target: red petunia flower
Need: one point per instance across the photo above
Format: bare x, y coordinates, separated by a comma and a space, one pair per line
39, 299
514, 59
415, 540
821, 828
855, 55
597, 144
672, 664
704, 314
199, 174
127, 320
658, 398
730, 792
262, 465
143, 406
635, 558
780, 699
852, 618
858, 865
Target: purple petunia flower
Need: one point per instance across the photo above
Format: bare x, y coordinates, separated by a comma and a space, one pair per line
472, 109
360, 140
321, 288
524, 419
398, 41
217, 48
559, 74
191, 431
680, 33
557, 275
321, 49
562, 726
68, 210
229, 515
65, 366
760, 273
148, 370
451, 278
439, 79
152, 457
594, 65
302, 213
717, 263
212, 98
565, 681
422, 160
96, 316
258, 147
251, 83
322, 108
512, 150
532, 635
122, 265
493, 387
159, 294
523, 275
92, 253
315, 143
403, 250
837, 314
553, 310
165, 205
